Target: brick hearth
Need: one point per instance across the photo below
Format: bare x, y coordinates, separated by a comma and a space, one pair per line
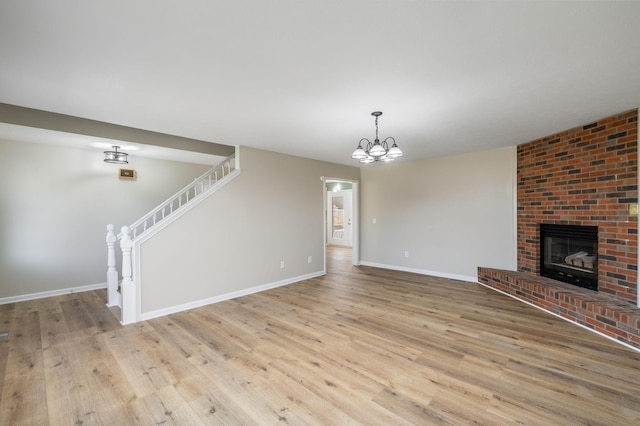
583, 176
606, 314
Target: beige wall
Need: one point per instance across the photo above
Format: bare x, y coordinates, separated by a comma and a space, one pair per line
55, 203
236, 239
451, 214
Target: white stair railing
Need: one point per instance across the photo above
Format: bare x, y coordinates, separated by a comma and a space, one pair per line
126, 298
196, 188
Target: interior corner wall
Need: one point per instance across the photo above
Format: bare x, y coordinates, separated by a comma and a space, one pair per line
236, 239
449, 214
55, 203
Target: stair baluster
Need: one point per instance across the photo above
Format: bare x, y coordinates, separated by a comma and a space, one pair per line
129, 293
112, 272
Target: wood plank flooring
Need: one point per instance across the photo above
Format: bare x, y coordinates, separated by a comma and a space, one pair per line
358, 346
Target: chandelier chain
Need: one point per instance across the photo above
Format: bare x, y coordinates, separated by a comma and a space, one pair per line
377, 128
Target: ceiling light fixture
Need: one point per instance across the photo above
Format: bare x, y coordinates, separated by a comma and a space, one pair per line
376, 151
115, 157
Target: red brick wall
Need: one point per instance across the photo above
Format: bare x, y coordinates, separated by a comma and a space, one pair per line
584, 176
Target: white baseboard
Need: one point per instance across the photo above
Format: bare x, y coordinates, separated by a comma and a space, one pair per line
42, 295
421, 271
561, 317
227, 296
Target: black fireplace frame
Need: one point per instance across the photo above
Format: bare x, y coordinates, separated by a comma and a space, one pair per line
577, 278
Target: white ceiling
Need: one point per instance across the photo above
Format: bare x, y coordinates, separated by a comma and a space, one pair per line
303, 76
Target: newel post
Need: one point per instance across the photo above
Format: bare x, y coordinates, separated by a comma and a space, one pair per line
112, 272
128, 286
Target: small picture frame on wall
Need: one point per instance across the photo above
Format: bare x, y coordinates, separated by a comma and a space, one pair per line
128, 174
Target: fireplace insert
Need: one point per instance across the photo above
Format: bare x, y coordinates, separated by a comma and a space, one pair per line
569, 253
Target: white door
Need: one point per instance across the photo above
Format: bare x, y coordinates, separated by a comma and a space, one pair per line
339, 217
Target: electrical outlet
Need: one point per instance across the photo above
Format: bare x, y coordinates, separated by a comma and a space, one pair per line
633, 209
282, 264
373, 220
309, 259
406, 254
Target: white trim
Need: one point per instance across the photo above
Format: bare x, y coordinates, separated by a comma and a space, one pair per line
561, 317
324, 223
355, 232
51, 293
421, 271
227, 296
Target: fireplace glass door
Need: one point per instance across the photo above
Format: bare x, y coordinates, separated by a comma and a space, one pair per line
570, 253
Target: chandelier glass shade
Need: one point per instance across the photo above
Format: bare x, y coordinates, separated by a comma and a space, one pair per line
115, 156
376, 150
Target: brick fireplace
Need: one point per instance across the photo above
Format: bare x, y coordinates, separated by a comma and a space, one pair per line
585, 176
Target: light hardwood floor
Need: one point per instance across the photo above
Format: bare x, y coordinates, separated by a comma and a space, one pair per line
357, 346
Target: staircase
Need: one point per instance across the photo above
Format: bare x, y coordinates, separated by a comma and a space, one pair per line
124, 294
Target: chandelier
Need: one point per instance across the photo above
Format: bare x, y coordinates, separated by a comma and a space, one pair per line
115, 157
376, 151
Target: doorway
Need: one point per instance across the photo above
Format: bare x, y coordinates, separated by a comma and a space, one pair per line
339, 217
341, 212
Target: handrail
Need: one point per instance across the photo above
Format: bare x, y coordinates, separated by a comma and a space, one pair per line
199, 186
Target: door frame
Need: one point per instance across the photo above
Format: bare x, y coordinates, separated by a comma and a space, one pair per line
355, 205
